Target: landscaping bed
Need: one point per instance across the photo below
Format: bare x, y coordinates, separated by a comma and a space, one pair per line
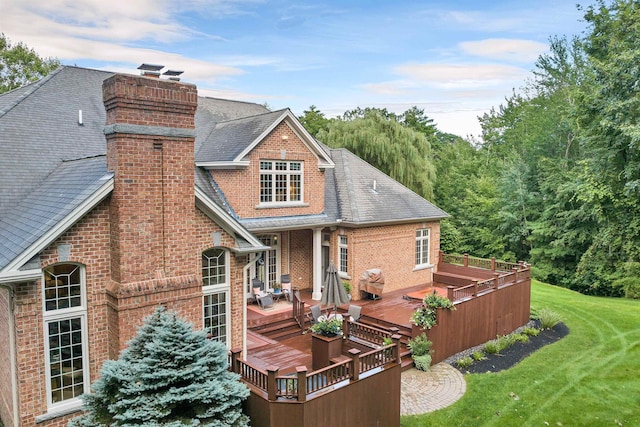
510, 356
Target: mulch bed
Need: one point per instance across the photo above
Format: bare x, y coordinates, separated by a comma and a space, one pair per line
514, 354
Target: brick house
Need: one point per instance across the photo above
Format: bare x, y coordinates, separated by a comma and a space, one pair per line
121, 192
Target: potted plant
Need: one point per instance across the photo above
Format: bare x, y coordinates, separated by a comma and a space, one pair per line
347, 287
277, 288
327, 327
326, 341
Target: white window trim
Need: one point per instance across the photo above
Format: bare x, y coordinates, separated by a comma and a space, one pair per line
62, 314
227, 271
428, 264
218, 289
221, 288
340, 247
273, 172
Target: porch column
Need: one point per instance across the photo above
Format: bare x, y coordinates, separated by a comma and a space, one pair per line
317, 264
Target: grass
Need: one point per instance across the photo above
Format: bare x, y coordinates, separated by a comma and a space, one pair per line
588, 378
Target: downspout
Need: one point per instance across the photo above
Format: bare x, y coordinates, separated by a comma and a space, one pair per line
245, 272
12, 352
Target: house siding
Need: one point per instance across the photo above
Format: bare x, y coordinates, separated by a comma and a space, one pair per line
242, 187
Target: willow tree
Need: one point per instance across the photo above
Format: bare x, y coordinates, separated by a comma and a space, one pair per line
380, 140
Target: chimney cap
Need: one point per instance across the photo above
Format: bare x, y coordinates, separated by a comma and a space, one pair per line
150, 67
172, 73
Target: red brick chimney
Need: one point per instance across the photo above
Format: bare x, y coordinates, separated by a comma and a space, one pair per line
150, 134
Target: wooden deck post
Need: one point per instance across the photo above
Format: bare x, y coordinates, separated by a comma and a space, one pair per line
396, 348
515, 272
475, 288
496, 280
272, 373
236, 354
440, 256
450, 292
465, 261
345, 327
302, 383
355, 363
493, 264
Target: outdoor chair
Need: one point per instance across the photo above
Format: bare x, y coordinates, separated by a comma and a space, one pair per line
263, 299
315, 314
355, 312
285, 281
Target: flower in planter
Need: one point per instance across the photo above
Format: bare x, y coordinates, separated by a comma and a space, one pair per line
327, 327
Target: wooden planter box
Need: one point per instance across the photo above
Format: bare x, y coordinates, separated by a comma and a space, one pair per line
323, 349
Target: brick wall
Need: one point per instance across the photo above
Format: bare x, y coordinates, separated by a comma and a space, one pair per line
392, 249
242, 187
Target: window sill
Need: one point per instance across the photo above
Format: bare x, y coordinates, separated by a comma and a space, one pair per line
282, 205
344, 276
423, 267
54, 413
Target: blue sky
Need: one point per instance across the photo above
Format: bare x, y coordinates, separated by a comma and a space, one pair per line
453, 59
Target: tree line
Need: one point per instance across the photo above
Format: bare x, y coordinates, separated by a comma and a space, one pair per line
555, 180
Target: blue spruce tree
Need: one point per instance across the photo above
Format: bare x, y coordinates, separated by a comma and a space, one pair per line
170, 376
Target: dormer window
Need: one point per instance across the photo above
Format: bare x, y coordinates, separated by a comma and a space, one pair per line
281, 182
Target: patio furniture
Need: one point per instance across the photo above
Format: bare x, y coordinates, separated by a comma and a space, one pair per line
285, 281
263, 299
315, 314
372, 282
355, 312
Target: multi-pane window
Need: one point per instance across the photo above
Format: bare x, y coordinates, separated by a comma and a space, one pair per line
216, 291
65, 329
215, 315
344, 252
214, 267
280, 181
422, 246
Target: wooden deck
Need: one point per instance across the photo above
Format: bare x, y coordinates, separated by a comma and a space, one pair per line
393, 309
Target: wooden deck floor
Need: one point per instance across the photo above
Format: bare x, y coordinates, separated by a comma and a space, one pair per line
290, 353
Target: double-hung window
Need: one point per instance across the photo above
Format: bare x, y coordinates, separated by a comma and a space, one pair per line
422, 247
281, 181
65, 329
216, 293
343, 247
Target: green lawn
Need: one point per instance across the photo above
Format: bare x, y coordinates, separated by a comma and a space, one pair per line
589, 378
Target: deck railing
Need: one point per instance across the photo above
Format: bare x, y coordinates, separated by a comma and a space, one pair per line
484, 263
302, 385
478, 287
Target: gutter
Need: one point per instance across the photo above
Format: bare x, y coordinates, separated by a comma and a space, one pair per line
12, 352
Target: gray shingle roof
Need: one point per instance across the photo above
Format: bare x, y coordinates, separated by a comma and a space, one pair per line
59, 194
360, 204
229, 139
41, 183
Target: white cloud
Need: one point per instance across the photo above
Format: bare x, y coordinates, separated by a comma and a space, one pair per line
452, 76
525, 51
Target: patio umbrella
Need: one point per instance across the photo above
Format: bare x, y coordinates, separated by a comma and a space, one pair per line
334, 293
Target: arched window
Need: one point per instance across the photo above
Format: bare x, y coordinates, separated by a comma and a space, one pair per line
65, 328
216, 294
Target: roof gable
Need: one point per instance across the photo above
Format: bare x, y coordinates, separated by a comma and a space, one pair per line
229, 143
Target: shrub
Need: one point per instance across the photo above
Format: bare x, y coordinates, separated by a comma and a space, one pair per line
521, 337
532, 332
630, 286
492, 347
425, 316
548, 318
478, 355
420, 345
464, 362
422, 362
